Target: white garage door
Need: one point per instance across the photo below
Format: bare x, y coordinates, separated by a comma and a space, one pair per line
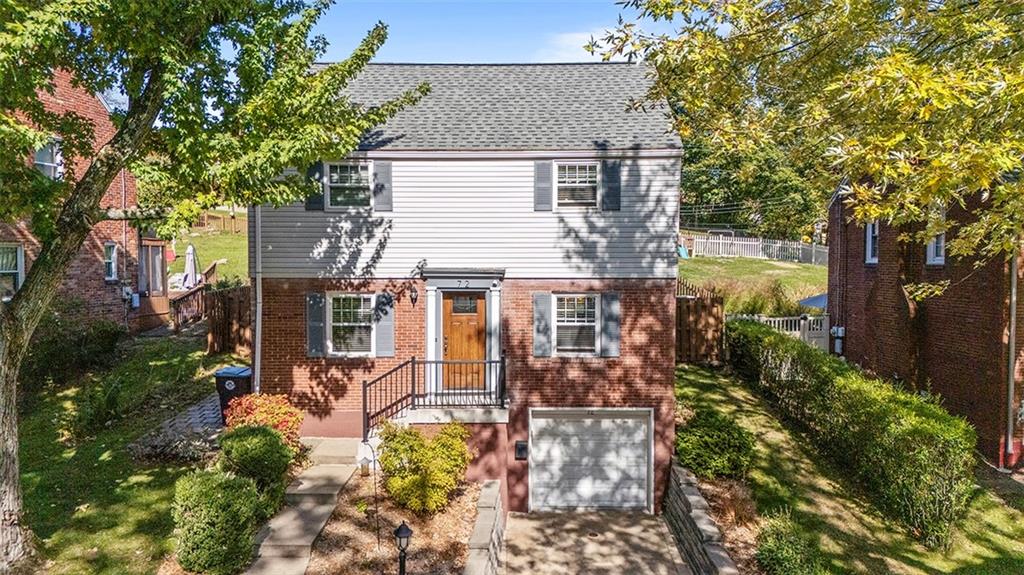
590, 459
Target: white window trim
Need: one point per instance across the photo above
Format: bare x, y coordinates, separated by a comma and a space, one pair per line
933, 258
19, 263
868, 229
329, 332
597, 325
554, 183
113, 261
58, 158
326, 188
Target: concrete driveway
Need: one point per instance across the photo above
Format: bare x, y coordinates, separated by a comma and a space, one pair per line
591, 543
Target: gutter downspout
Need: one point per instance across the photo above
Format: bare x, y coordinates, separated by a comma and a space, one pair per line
258, 343
1011, 357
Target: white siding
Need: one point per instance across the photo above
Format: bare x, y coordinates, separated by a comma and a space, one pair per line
479, 213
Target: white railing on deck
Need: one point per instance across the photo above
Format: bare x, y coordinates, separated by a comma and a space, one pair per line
729, 246
812, 330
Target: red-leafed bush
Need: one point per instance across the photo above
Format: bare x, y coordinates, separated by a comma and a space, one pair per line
274, 411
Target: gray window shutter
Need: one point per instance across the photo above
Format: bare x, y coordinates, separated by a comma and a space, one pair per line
542, 324
542, 186
385, 329
315, 173
382, 195
611, 322
316, 315
611, 182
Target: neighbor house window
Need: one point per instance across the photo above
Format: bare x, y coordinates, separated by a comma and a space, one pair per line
937, 249
48, 161
576, 323
348, 185
110, 261
12, 270
576, 184
351, 325
871, 243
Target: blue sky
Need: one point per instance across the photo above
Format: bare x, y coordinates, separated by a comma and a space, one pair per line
472, 30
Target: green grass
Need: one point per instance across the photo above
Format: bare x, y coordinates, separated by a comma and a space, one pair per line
801, 280
212, 246
853, 536
93, 509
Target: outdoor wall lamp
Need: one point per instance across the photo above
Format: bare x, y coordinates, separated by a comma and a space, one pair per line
402, 536
414, 295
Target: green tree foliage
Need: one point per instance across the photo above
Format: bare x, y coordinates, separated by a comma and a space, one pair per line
901, 104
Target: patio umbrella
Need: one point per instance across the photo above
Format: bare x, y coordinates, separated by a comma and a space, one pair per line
191, 279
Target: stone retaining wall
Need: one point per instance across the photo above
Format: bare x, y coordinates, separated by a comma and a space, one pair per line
696, 534
485, 543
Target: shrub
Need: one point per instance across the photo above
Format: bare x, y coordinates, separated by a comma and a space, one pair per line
420, 473
102, 403
273, 411
259, 453
714, 445
216, 517
763, 298
913, 458
65, 345
785, 549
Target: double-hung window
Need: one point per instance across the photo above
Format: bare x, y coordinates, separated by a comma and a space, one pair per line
576, 321
871, 243
49, 162
576, 184
110, 261
936, 250
12, 270
350, 317
348, 185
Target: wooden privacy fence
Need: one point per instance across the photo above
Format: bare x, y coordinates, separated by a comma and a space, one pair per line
229, 316
760, 248
812, 330
700, 319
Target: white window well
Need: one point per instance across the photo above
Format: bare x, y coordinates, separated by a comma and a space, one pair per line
576, 184
348, 185
12, 270
871, 243
576, 321
49, 162
350, 317
110, 261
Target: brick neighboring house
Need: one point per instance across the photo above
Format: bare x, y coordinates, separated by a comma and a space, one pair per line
964, 333
109, 259
515, 234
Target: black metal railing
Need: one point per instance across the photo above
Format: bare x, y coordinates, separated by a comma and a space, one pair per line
417, 383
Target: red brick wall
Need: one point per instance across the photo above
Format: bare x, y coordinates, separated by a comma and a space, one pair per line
964, 330
85, 280
329, 389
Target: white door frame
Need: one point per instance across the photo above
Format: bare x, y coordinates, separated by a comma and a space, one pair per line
435, 328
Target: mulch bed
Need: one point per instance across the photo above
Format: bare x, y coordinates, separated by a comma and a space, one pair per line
733, 509
348, 544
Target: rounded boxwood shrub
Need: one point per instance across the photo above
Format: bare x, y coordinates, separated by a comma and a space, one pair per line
712, 444
216, 518
783, 548
259, 453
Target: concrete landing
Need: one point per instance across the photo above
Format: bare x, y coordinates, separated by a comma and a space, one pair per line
333, 450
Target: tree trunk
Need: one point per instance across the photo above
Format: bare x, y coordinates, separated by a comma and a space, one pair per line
19, 318
909, 267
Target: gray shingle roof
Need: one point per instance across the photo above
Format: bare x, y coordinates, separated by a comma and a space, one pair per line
515, 107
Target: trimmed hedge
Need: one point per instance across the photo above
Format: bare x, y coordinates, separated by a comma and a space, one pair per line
216, 515
712, 444
914, 458
420, 474
783, 548
259, 453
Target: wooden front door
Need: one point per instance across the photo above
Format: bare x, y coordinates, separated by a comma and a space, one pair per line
465, 340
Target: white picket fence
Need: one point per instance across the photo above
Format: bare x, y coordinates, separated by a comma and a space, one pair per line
813, 330
786, 250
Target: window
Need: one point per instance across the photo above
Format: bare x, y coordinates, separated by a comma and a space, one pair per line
937, 250
110, 261
49, 162
576, 323
348, 185
351, 325
12, 270
871, 243
576, 184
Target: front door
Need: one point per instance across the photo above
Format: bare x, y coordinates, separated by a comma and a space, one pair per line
465, 341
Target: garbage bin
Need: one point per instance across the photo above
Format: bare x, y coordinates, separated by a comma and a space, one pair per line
232, 382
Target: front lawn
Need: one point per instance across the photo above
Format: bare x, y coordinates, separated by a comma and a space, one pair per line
852, 535
92, 507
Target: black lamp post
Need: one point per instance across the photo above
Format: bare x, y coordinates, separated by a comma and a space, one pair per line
402, 536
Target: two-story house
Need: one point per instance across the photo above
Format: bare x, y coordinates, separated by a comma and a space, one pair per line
115, 256
503, 254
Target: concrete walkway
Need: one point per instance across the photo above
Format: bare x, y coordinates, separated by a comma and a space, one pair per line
284, 544
187, 435
590, 543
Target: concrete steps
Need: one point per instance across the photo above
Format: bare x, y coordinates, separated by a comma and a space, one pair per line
333, 451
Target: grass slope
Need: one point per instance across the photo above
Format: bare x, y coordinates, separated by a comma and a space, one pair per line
92, 507
799, 279
212, 246
855, 538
